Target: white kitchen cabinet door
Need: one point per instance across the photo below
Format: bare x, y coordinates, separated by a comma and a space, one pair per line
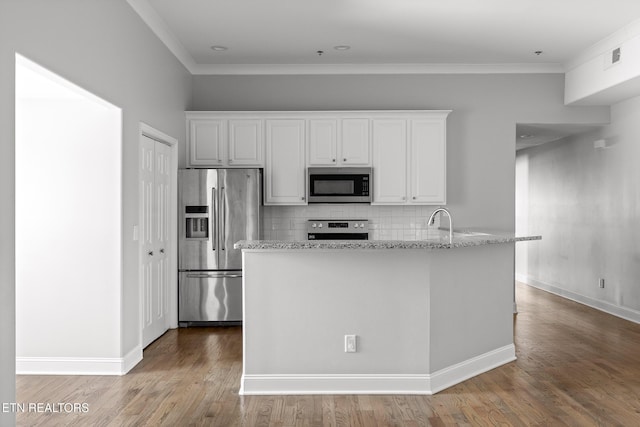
389, 161
428, 159
355, 142
245, 142
285, 180
155, 239
206, 142
323, 142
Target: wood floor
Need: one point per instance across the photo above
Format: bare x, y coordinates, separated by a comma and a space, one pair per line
576, 366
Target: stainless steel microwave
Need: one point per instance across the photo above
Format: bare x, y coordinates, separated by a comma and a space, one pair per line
340, 185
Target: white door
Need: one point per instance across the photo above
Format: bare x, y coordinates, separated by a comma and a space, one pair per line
155, 191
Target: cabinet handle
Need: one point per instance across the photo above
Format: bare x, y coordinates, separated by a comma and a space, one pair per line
344, 160
161, 251
333, 160
302, 198
414, 197
150, 253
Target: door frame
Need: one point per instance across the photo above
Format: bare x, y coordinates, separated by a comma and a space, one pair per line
172, 294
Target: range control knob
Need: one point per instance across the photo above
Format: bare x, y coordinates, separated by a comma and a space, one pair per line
362, 225
314, 225
320, 225
355, 225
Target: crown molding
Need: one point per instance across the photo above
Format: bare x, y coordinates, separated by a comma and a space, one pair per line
162, 31
297, 69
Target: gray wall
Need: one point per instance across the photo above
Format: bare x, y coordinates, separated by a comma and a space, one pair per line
104, 47
481, 128
586, 204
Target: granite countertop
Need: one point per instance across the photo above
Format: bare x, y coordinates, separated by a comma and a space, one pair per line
438, 239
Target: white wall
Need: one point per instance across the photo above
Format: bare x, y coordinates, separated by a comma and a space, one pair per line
522, 212
104, 47
68, 231
586, 205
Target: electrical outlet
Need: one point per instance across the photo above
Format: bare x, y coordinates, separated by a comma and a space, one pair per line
601, 283
350, 345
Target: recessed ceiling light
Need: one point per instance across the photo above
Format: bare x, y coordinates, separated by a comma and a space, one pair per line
342, 47
219, 48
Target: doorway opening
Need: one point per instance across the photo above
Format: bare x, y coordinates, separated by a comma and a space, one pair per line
68, 224
545, 166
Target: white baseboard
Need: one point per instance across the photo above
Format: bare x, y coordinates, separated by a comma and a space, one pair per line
454, 374
131, 359
613, 309
78, 365
376, 384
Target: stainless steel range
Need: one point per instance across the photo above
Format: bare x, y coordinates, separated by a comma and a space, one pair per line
338, 229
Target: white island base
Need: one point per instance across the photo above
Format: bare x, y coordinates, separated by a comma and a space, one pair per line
425, 319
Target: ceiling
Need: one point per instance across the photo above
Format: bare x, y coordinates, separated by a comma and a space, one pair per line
384, 35
390, 36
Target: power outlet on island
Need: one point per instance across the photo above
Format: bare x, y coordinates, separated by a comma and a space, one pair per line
350, 344
601, 283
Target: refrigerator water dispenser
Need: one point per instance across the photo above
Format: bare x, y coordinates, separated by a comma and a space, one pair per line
196, 222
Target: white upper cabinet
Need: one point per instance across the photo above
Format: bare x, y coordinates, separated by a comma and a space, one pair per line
355, 142
407, 149
245, 142
285, 178
428, 154
323, 142
222, 140
339, 142
389, 161
410, 159
206, 142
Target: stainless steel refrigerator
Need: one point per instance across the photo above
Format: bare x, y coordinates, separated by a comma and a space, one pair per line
218, 207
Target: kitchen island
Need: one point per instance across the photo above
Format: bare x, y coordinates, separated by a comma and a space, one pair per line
426, 314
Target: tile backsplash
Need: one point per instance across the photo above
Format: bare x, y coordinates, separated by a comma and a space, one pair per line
385, 222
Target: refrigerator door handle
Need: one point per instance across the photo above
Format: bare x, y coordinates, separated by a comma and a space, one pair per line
212, 275
214, 219
223, 229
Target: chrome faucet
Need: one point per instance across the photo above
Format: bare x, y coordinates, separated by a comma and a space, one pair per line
433, 217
